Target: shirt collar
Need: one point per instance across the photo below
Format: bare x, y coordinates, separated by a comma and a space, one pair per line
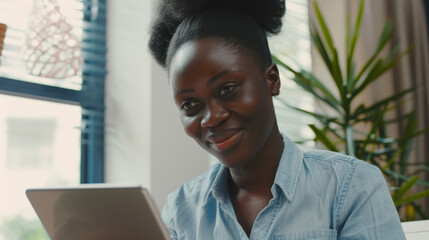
219, 186
286, 177
289, 168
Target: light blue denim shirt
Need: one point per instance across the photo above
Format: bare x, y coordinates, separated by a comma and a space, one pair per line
316, 195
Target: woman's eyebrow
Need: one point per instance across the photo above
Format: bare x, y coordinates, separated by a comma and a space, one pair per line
218, 76
184, 91
209, 82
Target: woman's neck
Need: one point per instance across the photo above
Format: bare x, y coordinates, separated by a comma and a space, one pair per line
257, 177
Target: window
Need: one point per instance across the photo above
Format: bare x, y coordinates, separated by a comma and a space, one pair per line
52, 68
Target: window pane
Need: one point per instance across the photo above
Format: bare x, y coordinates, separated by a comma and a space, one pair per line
39, 147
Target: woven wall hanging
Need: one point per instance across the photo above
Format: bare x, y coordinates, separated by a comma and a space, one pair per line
51, 48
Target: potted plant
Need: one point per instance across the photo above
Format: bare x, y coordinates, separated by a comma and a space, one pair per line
374, 144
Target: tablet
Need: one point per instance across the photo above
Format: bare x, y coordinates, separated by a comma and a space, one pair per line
97, 212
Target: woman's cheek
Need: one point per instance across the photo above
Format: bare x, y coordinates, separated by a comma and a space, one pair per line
249, 104
191, 126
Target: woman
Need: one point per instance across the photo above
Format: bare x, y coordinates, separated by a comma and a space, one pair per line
223, 81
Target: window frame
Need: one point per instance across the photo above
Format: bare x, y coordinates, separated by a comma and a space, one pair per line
90, 98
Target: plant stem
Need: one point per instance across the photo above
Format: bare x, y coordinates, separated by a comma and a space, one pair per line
350, 143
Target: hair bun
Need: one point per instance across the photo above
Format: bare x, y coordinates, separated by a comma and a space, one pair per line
266, 13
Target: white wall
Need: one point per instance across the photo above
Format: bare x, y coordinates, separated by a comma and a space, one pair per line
145, 142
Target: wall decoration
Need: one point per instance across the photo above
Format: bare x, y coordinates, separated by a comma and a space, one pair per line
3, 28
51, 48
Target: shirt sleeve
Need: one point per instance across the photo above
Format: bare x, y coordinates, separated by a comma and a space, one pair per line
368, 211
168, 216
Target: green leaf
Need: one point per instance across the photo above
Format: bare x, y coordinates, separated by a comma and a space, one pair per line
309, 89
321, 136
315, 37
369, 78
351, 47
412, 198
395, 49
404, 188
392, 159
335, 132
418, 164
419, 170
391, 62
377, 105
347, 33
320, 117
338, 76
385, 36
351, 74
332, 65
383, 40
370, 138
308, 78
381, 140
397, 119
404, 177
369, 115
307, 81
336, 70
379, 69
324, 27
415, 134
407, 140
383, 151
372, 161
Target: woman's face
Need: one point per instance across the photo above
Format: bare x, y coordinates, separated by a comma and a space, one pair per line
224, 99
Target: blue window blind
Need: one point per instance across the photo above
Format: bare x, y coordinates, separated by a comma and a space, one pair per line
86, 92
93, 75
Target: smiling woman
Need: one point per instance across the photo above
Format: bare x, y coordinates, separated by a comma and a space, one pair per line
265, 187
225, 101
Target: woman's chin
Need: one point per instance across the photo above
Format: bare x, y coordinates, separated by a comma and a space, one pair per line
233, 161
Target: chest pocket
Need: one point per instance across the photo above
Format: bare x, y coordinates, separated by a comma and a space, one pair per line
319, 234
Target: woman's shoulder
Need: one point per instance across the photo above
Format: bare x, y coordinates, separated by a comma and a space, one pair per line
343, 167
336, 160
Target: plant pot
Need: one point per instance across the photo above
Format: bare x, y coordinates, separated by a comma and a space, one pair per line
3, 28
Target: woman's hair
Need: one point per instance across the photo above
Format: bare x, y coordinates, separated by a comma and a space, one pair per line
244, 24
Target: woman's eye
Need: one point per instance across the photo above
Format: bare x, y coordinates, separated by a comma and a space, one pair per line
188, 105
226, 90
190, 108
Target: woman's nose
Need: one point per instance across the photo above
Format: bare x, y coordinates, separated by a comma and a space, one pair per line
214, 115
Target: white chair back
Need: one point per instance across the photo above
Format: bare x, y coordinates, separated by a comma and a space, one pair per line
416, 230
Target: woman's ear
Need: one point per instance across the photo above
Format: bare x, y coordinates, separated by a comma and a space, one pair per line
272, 77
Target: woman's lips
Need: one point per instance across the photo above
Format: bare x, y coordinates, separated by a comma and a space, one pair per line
227, 141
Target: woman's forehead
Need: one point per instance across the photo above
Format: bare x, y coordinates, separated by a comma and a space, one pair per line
208, 56
203, 49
